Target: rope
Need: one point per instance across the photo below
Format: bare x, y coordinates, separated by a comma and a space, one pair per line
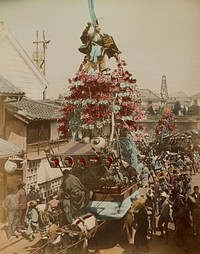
46, 217
101, 200
36, 251
70, 246
89, 235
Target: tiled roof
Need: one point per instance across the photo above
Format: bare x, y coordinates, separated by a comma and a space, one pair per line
7, 88
34, 110
147, 94
178, 94
197, 95
8, 149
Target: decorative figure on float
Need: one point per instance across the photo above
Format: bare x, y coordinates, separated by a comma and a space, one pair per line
95, 46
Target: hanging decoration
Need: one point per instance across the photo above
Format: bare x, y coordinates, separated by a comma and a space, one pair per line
93, 96
10, 167
92, 12
98, 97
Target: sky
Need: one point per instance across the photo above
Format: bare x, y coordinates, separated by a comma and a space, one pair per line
156, 37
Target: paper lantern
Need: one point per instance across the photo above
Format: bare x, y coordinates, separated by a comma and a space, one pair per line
81, 161
109, 160
10, 167
68, 161
98, 143
54, 162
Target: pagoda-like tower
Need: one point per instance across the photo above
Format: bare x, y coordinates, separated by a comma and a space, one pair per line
164, 90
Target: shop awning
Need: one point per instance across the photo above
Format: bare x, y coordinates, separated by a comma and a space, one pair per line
76, 148
8, 149
46, 173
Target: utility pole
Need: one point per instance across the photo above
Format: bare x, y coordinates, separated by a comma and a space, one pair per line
164, 90
39, 56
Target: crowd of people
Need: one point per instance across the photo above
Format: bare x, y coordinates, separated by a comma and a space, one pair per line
24, 210
20, 210
169, 197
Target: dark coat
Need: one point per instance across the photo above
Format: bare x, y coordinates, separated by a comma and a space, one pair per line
75, 191
141, 224
105, 41
196, 197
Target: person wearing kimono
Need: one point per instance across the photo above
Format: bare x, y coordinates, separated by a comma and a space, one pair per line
31, 220
75, 196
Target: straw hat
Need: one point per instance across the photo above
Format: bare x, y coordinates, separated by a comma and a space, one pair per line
163, 173
164, 194
161, 178
137, 205
67, 169
32, 203
184, 173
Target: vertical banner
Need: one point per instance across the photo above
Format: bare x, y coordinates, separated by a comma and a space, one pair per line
92, 13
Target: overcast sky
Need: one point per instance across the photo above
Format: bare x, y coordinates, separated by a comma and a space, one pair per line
156, 37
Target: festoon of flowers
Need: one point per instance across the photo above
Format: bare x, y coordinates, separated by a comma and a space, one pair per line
96, 95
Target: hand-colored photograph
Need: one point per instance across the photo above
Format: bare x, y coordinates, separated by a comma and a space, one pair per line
99, 126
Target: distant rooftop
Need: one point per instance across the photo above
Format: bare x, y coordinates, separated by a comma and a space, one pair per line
178, 94
197, 95
147, 94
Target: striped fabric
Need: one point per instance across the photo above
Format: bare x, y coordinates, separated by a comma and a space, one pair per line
77, 148
44, 232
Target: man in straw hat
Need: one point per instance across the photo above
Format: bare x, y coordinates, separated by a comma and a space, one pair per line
164, 212
140, 223
31, 219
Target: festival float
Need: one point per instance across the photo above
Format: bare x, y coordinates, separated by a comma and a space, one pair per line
169, 138
164, 130
101, 118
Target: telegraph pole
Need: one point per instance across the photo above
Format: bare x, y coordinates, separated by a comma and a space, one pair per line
39, 56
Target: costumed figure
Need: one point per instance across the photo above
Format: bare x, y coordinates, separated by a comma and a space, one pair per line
95, 46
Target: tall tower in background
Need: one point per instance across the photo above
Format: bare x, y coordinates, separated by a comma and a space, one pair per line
164, 90
39, 55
